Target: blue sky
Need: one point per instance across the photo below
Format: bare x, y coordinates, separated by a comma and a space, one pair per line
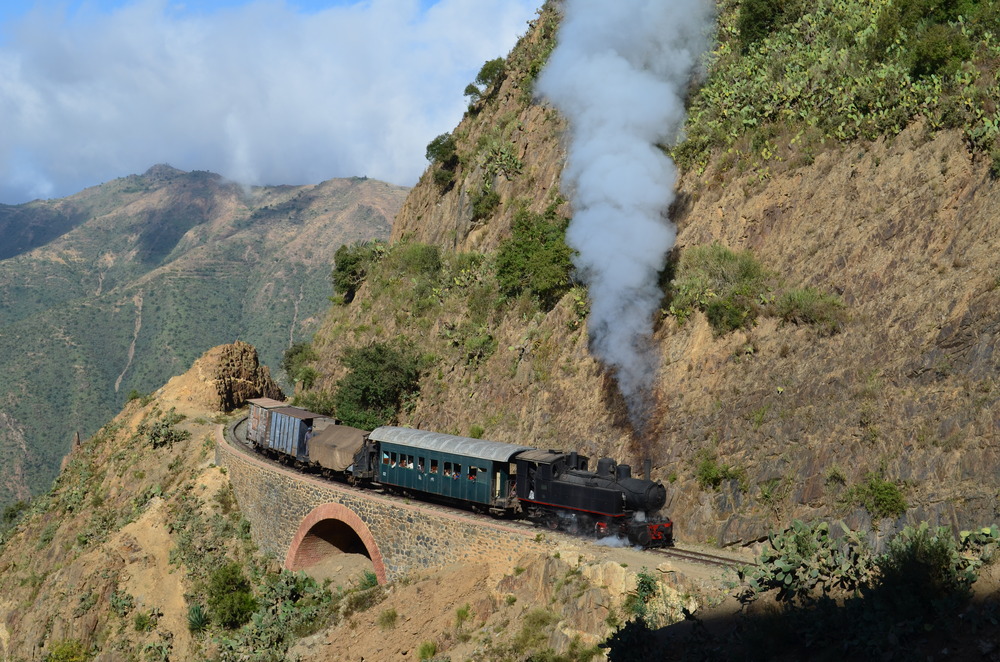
263, 92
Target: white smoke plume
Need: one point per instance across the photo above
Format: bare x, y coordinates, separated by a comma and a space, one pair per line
619, 73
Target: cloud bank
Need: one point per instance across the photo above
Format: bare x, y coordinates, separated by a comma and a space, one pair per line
261, 94
620, 73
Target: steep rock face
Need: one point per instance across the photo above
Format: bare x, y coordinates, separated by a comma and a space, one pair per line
903, 229
503, 124
240, 377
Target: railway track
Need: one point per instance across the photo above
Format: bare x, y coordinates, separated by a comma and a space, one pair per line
702, 558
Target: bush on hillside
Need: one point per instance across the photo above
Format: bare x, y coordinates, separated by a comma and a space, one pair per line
728, 286
489, 75
295, 364
811, 306
880, 497
441, 149
484, 203
536, 259
351, 265
381, 378
411, 258
230, 601
68, 650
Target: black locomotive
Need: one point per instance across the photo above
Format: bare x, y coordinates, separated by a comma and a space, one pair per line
554, 488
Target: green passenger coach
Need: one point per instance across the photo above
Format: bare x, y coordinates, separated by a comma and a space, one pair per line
480, 472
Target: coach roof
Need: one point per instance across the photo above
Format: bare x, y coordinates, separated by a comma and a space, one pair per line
447, 443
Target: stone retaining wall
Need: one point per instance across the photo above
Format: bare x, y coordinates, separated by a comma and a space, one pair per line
401, 536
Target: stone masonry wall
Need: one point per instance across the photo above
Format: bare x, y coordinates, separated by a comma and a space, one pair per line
409, 536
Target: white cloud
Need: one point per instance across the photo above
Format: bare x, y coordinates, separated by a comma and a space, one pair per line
259, 93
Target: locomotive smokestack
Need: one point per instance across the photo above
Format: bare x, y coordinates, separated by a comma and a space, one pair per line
573, 460
647, 468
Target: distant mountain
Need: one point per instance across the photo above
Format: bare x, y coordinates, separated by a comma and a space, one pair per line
119, 287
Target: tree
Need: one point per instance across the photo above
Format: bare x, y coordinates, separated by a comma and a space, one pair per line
380, 378
535, 259
350, 266
441, 149
294, 363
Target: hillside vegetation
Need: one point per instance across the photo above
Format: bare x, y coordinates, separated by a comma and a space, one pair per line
825, 342
146, 273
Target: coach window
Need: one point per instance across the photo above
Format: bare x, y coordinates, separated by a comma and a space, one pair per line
447, 469
409, 462
472, 473
458, 471
385, 458
421, 464
392, 459
434, 466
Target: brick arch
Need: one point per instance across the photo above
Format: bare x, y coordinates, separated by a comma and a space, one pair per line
331, 520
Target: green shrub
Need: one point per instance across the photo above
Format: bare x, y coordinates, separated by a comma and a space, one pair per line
121, 603
940, 49
442, 149
476, 431
12, 515
381, 377
295, 362
161, 432
810, 306
484, 203
710, 473
145, 621
491, 72
444, 178
728, 286
351, 265
923, 569
878, 496
230, 600
68, 650
368, 580
462, 614
479, 347
535, 259
637, 601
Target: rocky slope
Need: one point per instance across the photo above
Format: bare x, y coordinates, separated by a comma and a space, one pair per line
752, 427
110, 563
117, 288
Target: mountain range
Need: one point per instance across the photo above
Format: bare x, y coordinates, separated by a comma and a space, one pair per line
109, 292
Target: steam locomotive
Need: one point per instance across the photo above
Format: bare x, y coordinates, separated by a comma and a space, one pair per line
552, 488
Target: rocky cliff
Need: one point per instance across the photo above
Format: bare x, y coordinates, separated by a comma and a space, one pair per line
890, 417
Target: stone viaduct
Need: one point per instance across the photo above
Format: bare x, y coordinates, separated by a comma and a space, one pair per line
304, 519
